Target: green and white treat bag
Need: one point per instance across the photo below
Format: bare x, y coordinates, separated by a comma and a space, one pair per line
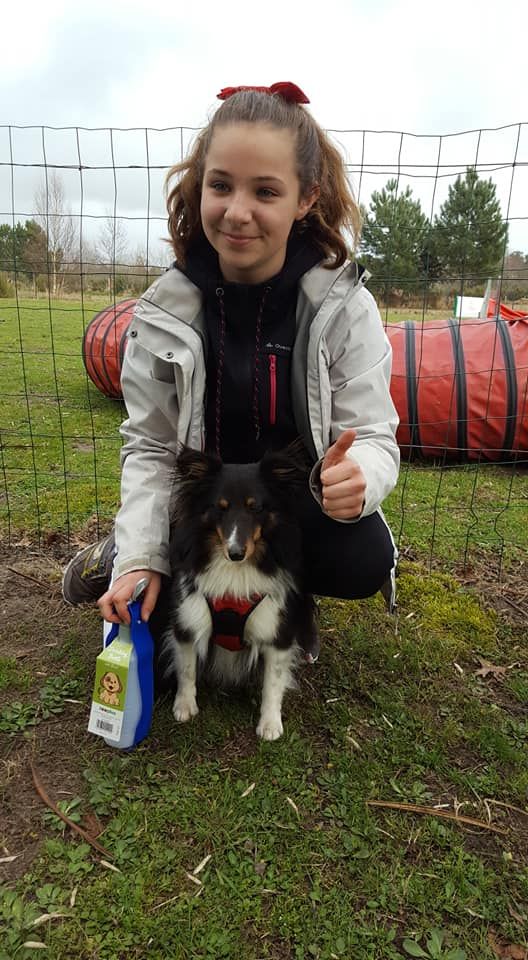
109, 695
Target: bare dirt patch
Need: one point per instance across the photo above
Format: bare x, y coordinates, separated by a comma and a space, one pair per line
46, 639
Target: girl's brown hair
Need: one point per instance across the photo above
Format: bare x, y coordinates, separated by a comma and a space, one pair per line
318, 163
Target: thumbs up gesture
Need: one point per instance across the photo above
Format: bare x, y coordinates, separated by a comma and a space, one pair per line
342, 480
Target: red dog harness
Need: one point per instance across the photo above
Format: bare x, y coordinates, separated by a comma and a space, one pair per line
229, 615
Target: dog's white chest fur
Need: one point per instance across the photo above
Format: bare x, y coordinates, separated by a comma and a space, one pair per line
223, 577
241, 581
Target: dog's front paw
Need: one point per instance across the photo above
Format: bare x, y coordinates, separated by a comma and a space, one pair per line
270, 728
184, 708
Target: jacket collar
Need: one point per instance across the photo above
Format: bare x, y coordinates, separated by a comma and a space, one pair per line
175, 291
319, 282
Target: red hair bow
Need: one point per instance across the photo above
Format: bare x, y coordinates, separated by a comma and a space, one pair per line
289, 91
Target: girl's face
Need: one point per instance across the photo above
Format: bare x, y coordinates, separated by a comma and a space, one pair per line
250, 199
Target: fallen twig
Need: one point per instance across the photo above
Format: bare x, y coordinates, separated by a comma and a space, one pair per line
27, 576
39, 787
508, 806
431, 811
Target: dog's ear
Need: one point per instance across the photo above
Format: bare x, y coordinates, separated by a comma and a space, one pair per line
290, 466
299, 454
194, 466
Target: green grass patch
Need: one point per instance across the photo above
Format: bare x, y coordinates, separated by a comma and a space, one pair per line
16, 716
12, 675
226, 846
60, 442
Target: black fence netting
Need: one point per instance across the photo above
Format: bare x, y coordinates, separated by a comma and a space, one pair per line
445, 237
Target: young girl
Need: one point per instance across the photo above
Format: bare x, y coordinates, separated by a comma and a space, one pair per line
261, 331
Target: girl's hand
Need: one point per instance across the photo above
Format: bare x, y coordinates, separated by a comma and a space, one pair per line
342, 480
113, 604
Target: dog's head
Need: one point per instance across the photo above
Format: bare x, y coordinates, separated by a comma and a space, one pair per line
111, 682
241, 504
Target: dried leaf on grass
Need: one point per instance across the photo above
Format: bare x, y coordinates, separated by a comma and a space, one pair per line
109, 866
202, 864
193, 879
506, 951
46, 917
486, 668
91, 824
293, 805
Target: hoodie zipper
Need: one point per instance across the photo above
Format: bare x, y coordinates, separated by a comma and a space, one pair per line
273, 388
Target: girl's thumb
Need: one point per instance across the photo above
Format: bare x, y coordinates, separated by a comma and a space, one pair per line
337, 452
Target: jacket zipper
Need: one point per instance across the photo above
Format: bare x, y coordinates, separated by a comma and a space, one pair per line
273, 388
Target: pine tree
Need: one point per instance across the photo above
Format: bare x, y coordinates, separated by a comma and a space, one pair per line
394, 238
12, 242
35, 256
23, 250
469, 234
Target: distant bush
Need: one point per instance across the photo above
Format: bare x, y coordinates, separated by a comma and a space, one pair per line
141, 282
6, 287
119, 284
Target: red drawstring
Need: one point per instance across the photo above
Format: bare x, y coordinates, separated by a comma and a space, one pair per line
273, 388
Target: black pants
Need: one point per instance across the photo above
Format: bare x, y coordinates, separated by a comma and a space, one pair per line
344, 560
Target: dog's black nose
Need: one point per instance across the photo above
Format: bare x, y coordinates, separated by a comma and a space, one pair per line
236, 554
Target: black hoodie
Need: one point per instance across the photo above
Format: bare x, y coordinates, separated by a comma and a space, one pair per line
250, 335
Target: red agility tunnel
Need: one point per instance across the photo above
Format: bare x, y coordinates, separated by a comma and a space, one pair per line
506, 313
104, 345
460, 387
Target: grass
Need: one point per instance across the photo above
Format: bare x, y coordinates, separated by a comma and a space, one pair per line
60, 442
59, 451
298, 865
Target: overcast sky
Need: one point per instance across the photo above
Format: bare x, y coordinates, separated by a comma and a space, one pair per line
409, 66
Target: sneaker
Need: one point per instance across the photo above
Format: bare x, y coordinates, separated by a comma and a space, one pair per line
88, 574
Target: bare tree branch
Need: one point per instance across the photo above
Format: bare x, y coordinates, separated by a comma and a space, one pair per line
54, 217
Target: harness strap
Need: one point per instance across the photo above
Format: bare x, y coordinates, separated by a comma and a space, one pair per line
229, 615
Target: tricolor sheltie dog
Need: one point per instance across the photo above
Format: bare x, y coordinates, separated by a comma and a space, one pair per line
235, 602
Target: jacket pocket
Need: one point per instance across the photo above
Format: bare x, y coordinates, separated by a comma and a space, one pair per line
161, 370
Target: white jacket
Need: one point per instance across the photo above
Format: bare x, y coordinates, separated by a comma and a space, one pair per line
341, 365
